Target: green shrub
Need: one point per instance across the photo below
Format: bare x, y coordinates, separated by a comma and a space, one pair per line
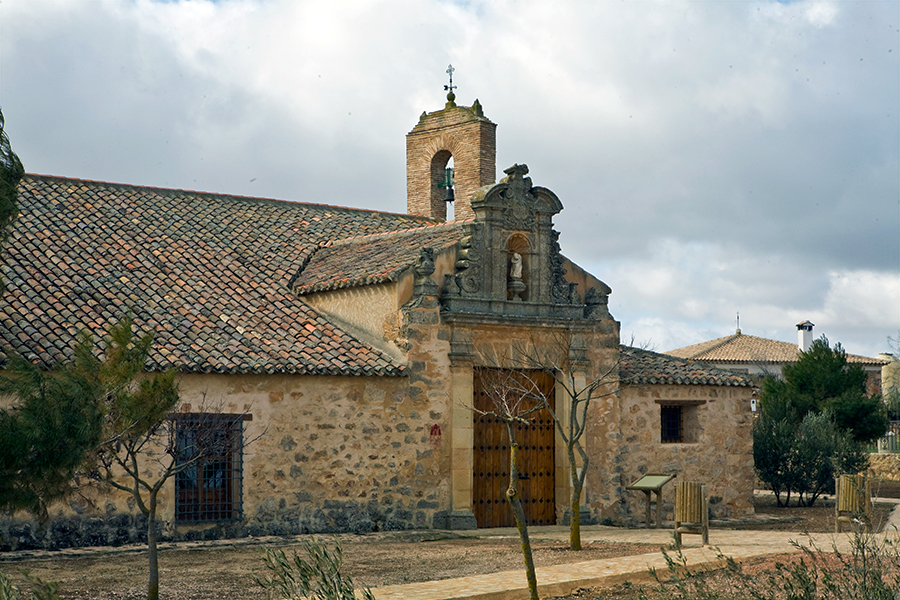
317, 575
41, 590
803, 458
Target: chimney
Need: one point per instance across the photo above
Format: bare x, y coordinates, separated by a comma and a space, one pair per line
804, 335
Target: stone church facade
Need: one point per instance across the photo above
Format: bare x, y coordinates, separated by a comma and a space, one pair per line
355, 342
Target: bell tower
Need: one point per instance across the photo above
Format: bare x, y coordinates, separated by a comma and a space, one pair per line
462, 133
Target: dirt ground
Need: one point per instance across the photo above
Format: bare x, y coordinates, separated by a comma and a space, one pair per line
226, 571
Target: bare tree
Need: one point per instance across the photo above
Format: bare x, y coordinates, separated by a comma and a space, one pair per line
514, 397
564, 357
197, 446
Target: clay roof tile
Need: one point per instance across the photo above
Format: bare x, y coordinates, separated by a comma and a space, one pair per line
645, 367
82, 253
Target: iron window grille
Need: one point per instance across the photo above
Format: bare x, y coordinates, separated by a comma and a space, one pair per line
671, 424
210, 487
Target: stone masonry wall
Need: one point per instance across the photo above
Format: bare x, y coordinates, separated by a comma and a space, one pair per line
885, 466
718, 450
343, 454
326, 454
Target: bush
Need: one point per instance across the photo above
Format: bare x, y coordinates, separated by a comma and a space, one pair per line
803, 458
41, 590
772, 450
892, 402
315, 576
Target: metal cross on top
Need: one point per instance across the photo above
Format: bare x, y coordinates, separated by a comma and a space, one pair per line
450, 87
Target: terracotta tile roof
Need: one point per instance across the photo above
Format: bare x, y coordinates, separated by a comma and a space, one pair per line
646, 367
372, 259
207, 272
742, 348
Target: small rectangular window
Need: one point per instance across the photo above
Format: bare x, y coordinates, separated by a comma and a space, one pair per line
671, 424
209, 488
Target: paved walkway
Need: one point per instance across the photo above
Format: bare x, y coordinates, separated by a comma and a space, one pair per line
563, 579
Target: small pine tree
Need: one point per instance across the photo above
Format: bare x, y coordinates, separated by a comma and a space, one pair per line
823, 380
55, 421
11, 172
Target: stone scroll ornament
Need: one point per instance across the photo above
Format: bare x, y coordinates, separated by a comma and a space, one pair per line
560, 292
468, 261
519, 202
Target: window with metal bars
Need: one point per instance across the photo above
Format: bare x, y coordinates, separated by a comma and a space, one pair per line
671, 424
209, 488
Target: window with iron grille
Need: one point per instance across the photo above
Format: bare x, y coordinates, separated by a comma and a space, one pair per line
209, 488
671, 424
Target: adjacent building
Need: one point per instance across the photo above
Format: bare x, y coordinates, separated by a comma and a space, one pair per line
759, 357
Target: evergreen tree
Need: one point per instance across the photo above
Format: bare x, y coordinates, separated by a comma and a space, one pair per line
823, 380
54, 423
813, 424
11, 172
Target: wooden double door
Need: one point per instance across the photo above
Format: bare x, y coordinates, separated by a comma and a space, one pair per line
491, 453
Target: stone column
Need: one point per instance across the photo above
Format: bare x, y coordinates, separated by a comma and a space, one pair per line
462, 435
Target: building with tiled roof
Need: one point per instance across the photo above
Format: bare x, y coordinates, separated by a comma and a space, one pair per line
761, 356
208, 273
701, 418
352, 345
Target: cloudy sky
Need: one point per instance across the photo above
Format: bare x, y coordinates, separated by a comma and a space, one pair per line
713, 157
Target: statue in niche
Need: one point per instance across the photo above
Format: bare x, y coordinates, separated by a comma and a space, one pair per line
515, 266
515, 286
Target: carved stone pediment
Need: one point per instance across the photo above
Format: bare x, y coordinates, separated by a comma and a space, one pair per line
508, 262
519, 203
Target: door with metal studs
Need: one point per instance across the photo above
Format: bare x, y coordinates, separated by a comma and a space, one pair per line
491, 459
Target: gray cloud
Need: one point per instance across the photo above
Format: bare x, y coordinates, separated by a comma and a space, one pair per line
713, 157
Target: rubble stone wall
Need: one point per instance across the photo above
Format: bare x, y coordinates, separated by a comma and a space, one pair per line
717, 450
325, 454
885, 466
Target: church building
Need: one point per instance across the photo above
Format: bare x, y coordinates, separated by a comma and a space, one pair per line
356, 343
